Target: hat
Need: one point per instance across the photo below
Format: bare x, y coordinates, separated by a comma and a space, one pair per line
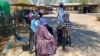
43, 21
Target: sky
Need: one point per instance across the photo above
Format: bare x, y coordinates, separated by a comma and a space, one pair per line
42, 2
62, 1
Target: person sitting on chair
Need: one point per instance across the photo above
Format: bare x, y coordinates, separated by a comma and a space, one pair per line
50, 29
45, 43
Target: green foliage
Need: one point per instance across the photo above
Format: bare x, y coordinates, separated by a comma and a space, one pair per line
5, 24
84, 3
5, 7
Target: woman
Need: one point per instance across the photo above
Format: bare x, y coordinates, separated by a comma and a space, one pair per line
66, 26
45, 43
50, 29
34, 24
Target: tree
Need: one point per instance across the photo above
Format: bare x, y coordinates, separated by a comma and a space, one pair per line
34, 1
84, 5
54, 1
84, 2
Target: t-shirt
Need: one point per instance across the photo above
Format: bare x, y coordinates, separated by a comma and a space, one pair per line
34, 24
61, 12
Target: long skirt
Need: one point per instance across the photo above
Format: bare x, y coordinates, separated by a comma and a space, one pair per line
46, 47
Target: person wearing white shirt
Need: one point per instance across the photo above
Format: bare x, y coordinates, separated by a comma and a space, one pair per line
61, 12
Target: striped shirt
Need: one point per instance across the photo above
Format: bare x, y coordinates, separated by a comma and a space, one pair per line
66, 23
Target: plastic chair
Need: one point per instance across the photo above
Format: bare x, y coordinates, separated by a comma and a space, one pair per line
19, 39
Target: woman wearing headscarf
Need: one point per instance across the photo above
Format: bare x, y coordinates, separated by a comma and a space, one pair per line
50, 29
65, 25
45, 43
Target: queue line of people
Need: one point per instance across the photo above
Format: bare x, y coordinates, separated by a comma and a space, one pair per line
43, 34
45, 41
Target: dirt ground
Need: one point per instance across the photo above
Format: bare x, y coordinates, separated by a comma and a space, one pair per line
85, 37
3, 41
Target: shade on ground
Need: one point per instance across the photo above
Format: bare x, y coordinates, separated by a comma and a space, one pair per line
85, 37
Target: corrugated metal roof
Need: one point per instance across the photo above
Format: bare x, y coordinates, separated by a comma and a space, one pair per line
69, 4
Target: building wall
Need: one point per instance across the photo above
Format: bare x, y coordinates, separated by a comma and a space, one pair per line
98, 2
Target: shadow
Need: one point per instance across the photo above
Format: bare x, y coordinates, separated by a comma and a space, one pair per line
51, 20
25, 47
84, 41
82, 38
19, 53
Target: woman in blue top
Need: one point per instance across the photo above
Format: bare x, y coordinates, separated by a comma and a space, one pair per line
34, 24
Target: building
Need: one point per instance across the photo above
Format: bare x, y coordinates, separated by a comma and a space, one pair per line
91, 7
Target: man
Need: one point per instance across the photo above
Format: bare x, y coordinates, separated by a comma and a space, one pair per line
61, 12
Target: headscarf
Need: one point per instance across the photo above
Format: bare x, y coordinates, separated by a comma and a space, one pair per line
43, 21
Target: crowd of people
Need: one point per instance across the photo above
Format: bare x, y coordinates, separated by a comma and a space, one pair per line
43, 36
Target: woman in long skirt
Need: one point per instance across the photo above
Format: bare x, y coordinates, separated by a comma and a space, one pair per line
45, 43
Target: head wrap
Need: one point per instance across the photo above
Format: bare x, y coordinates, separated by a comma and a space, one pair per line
43, 21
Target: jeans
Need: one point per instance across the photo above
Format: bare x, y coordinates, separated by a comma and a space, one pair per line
31, 41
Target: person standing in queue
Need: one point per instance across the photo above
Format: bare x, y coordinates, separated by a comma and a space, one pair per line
34, 24
61, 12
45, 43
